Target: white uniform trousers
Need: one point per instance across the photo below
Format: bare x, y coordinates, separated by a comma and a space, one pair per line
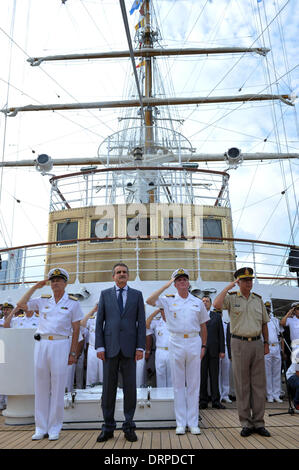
94, 371
50, 367
70, 377
163, 370
224, 371
273, 372
140, 373
79, 371
185, 368
3, 401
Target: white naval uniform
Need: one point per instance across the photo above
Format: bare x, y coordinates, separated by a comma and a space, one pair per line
293, 324
79, 369
3, 398
159, 328
183, 319
224, 370
22, 321
71, 368
94, 372
51, 359
273, 359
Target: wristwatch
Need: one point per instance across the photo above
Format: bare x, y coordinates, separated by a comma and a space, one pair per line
266, 342
203, 345
72, 353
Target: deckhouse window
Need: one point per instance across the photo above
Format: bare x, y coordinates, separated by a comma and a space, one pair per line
102, 230
175, 228
67, 230
138, 228
212, 228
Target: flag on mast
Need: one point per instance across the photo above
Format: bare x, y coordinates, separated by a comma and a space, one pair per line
140, 24
135, 6
141, 63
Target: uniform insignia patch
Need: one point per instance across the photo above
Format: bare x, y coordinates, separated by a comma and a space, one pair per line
72, 297
46, 296
64, 308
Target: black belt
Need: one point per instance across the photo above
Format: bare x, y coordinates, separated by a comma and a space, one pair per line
245, 338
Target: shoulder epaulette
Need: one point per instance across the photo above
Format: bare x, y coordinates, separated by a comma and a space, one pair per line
91, 318
233, 293
36, 314
72, 297
257, 295
46, 296
21, 315
169, 295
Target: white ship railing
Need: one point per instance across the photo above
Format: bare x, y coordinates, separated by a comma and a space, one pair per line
139, 184
268, 259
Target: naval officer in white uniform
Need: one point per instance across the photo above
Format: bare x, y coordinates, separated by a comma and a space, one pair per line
156, 325
273, 359
186, 316
60, 314
94, 371
29, 319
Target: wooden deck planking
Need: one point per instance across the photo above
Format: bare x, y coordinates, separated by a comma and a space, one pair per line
220, 429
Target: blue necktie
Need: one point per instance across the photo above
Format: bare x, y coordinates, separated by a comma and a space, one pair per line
120, 300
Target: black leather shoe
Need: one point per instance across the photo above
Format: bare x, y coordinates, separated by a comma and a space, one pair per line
104, 436
218, 406
262, 432
246, 432
203, 406
130, 435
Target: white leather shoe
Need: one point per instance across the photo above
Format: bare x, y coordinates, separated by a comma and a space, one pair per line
37, 436
270, 400
226, 400
278, 400
53, 437
194, 430
180, 430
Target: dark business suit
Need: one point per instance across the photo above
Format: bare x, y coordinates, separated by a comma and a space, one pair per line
120, 335
210, 361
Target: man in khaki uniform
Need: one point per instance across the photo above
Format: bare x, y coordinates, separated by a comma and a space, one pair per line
248, 320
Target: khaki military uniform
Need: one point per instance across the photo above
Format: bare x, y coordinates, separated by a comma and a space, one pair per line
246, 319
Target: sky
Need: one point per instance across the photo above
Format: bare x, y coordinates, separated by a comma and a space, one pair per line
263, 194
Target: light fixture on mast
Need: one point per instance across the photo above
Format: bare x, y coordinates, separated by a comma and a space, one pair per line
44, 163
233, 157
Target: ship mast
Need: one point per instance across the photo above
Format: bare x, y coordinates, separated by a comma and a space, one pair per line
147, 102
148, 43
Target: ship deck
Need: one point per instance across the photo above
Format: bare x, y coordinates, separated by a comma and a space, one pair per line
220, 429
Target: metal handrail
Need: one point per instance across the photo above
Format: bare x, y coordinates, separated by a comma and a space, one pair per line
134, 251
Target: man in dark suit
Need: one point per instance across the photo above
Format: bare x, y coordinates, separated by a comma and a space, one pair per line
210, 362
120, 342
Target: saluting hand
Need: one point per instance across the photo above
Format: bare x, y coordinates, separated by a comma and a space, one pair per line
41, 284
